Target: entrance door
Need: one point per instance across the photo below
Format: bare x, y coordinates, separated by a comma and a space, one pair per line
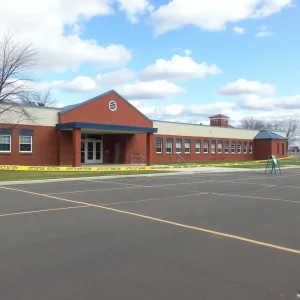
93, 152
82, 153
118, 153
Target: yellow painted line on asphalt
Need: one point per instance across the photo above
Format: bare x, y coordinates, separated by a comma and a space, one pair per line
138, 186
267, 184
230, 236
96, 190
41, 210
155, 199
132, 186
256, 197
264, 177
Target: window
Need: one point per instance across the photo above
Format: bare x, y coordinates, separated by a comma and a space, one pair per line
233, 147
5, 143
245, 148
26, 141
213, 146
205, 146
169, 145
187, 146
226, 147
282, 148
220, 147
250, 148
278, 148
216, 121
198, 146
159, 145
178, 145
239, 147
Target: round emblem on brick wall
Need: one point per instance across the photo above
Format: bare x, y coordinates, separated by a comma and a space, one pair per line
112, 105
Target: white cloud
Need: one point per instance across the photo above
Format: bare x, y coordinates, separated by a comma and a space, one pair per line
134, 8
239, 30
119, 80
157, 89
245, 87
80, 84
46, 24
59, 105
187, 52
263, 109
115, 78
263, 32
213, 14
173, 109
208, 110
179, 67
270, 104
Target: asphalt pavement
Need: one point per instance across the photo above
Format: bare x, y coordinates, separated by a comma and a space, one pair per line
210, 236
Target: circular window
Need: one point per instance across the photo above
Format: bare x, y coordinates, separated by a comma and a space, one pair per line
112, 105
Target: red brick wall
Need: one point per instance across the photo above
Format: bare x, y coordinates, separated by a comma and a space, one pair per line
265, 148
51, 147
44, 147
135, 144
97, 111
193, 156
65, 151
262, 149
282, 145
109, 147
219, 123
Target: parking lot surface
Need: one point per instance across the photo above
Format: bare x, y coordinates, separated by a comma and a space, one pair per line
210, 236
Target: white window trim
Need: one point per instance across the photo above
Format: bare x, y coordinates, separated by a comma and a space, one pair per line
211, 148
225, 148
169, 143
198, 152
21, 151
178, 152
161, 147
3, 151
239, 151
245, 152
220, 148
235, 146
250, 148
205, 152
187, 152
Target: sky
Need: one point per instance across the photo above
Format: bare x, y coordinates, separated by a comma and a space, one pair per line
179, 60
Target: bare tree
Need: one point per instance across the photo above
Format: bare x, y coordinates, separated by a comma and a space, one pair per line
41, 97
291, 127
251, 123
16, 62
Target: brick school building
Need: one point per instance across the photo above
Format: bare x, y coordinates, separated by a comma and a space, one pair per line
107, 129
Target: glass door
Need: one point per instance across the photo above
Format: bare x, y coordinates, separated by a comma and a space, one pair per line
98, 150
90, 151
93, 151
82, 152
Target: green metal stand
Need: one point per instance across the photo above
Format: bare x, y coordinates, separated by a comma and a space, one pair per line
272, 165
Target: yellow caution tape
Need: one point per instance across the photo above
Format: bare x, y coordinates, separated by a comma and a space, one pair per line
116, 169
89, 169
